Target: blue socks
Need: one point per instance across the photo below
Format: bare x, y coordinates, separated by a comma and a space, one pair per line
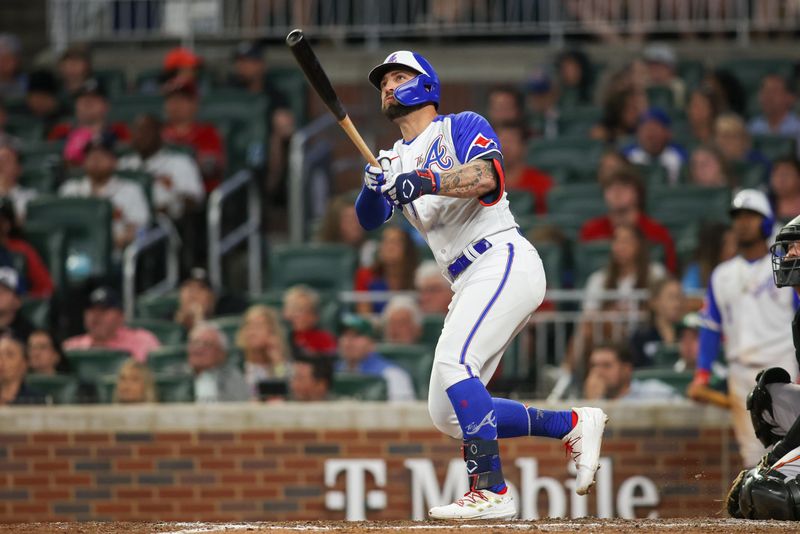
515, 420
476, 415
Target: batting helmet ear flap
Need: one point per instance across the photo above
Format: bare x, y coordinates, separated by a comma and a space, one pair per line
767, 226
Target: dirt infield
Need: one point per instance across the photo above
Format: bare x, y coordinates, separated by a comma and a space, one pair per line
595, 526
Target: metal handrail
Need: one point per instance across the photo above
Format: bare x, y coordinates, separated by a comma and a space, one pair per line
164, 231
250, 230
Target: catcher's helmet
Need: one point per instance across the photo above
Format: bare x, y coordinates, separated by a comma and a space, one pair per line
421, 89
755, 201
786, 268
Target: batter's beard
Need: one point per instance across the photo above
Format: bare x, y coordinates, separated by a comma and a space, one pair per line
396, 110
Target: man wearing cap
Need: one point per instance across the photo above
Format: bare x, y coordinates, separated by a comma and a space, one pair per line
181, 65
181, 104
11, 320
197, 301
662, 64
654, 146
358, 356
744, 310
105, 327
42, 100
91, 120
131, 211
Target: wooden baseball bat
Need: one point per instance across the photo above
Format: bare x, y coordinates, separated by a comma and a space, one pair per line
318, 79
710, 396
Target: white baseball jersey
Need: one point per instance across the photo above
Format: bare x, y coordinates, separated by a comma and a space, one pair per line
448, 224
753, 316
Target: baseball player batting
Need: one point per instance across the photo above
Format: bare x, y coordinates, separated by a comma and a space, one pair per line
446, 175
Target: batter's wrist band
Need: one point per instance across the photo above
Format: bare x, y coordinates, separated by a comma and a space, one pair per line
432, 182
702, 375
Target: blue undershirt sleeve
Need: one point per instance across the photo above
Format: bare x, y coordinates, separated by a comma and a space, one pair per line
372, 209
710, 332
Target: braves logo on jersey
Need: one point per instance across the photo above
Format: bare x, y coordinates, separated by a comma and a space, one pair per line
437, 155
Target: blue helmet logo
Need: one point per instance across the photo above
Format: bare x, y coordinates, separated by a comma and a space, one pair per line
421, 89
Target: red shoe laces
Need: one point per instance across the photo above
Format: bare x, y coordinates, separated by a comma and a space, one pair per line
569, 446
471, 497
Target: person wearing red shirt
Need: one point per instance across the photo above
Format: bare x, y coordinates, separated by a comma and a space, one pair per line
624, 197
301, 311
181, 104
519, 175
91, 120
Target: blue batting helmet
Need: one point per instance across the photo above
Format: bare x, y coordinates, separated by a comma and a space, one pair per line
421, 89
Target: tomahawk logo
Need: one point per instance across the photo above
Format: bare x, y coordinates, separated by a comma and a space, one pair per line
488, 420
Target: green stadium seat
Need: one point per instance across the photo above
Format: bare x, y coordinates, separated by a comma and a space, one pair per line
749, 174
666, 356
575, 153
241, 119
359, 387
589, 256
87, 223
325, 267
432, 325
42, 154
125, 108
105, 388
167, 332
51, 245
567, 224
25, 127
552, 255
90, 365
157, 307
583, 200
170, 359
578, 121
521, 201
417, 360
661, 97
174, 388
292, 84
691, 71
229, 324
113, 80
36, 311
42, 179
750, 71
775, 146
695, 202
678, 380
654, 175
57, 389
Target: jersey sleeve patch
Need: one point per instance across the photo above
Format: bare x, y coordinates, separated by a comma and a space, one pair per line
473, 137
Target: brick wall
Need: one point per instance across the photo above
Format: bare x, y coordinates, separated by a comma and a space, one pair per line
249, 473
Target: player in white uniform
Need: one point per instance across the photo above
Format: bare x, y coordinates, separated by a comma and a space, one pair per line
749, 314
446, 176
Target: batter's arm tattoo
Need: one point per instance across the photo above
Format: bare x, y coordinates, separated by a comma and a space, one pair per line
473, 179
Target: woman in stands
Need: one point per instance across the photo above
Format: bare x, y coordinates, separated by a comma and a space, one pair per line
393, 270
262, 338
135, 384
708, 168
340, 225
666, 310
44, 354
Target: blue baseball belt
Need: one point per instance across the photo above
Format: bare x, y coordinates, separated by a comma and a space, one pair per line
468, 257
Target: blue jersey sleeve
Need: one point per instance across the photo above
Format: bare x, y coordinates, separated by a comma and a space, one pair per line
710, 331
474, 138
372, 209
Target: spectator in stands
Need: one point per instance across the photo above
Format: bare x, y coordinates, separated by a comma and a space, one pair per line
104, 322
74, 68
575, 77
181, 104
13, 368
611, 377
45, 356
611, 162
784, 184
12, 79
708, 168
91, 122
358, 356
432, 288
301, 312
662, 66
214, 379
624, 196
505, 104
393, 271
11, 320
42, 100
311, 379
717, 243
666, 309
131, 210
10, 172
542, 105
733, 140
621, 112
177, 185
654, 144
728, 91
688, 342
776, 101
197, 301
518, 174
135, 384
402, 321
701, 112
263, 341
39, 282
249, 73
180, 66
340, 225
629, 268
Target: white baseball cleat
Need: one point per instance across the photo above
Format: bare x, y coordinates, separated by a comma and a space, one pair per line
477, 504
583, 443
